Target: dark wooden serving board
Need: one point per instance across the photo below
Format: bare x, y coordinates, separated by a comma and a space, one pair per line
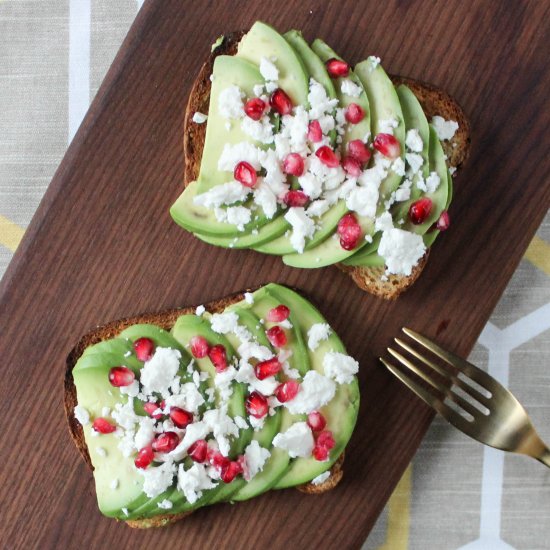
102, 245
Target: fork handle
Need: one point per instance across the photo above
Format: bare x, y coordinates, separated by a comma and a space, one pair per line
544, 457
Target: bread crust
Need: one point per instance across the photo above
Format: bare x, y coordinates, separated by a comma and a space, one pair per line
434, 101
166, 320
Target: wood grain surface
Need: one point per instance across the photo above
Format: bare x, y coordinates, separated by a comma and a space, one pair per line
102, 246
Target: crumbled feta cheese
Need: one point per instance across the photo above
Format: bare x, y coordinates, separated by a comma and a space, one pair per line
258, 90
413, 141
222, 426
248, 297
124, 414
132, 390
194, 481
340, 367
321, 478
200, 310
268, 70
223, 382
165, 504
158, 372
445, 129
193, 432
234, 215
158, 478
223, 323
297, 440
145, 433
373, 61
259, 130
270, 87
363, 200
302, 227
230, 102
432, 182
310, 185
257, 423
398, 166
415, 161
315, 391
105, 412
266, 199
82, 415
401, 250
255, 458
199, 118
317, 333
318, 208
319, 101
101, 452
187, 397
232, 154
125, 511
452, 170
226, 193
114, 484
240, 422
348, 87
387, 125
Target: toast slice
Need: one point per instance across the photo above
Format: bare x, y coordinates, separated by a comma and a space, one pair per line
434, 101
165, 320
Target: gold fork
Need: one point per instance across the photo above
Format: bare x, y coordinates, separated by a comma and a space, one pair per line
469, 399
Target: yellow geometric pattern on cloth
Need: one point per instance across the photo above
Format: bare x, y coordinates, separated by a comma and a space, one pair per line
538, 253
10, 234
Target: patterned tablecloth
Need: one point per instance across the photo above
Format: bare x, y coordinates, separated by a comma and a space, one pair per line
456, 493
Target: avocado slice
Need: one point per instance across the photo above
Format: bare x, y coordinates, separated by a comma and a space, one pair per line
340, 413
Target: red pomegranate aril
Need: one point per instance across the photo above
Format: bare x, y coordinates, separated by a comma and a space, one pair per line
293, 164
337, 68
218, 356
244, 173
287, 391
198, 451
180, 417
280, 102
144, 348
443, 222
277, 336
327, 156
295, 198
420, 210
144, 457
320, 453
314, 132
255, 108
349, 231
325, 439
103, 426
121, 376
150, 409
230, 471
165, 442
199, 347
316, 421
387, 145
358, 150
352, 166
354, 113
256, 405
278, 314
271, 367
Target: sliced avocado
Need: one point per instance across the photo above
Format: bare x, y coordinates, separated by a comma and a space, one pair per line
340, 413
114, 345
107, 356
264, 41
431, 236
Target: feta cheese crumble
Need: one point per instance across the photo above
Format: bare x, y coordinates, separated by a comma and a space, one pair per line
158, 372
255, 459
268, 70
194, 481
302, 227
199, 118
348, 87
82, 415
340, 367
315, 391
230, 102
445, 129
317, 333
297, 440
321, 478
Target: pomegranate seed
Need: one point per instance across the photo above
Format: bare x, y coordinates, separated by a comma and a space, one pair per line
199, 347
256, 405
144, 348
278, 314
121, 376
295, 198
165, 442
180, 417
293, 164
230, 471
325, 439
316, 421
244, 173
444, 221
218, 356
198, 451
277, 336
354, 113
337, 68
103, 426
150, 408
352, 166
144, 457
314, 132
280, 102
327, 156
320, 453
420, 210
216, 459
254, 108
358, 150
271, 367
349, 231
387, 145
287, 391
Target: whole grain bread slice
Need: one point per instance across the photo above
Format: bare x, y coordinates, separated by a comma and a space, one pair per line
166, 320
434, 102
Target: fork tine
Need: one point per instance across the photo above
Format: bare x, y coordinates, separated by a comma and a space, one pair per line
446, 412
470, 390
446, 391
475, 373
